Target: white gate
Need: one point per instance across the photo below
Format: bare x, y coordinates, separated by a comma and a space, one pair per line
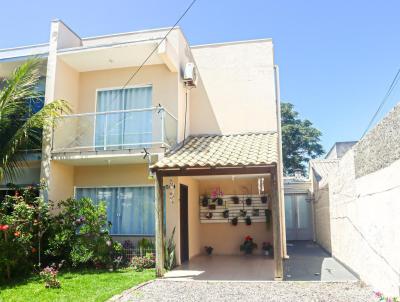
298, 212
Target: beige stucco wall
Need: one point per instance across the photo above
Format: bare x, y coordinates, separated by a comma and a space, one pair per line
113, 175
322, 222
365, 223
61, 184
239, 84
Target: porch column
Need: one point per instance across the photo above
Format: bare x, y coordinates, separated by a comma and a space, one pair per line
159, 212
276, 228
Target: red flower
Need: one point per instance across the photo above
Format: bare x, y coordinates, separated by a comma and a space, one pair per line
3, 227
17, 234
248, 238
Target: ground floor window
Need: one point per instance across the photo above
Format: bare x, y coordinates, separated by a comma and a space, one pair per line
129, 209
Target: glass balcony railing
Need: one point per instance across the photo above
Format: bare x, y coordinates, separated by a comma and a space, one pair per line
115, 130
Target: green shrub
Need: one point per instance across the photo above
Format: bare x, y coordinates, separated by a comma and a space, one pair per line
139, 263
79, 233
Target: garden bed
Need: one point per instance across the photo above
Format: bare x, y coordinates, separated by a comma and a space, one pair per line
82, 285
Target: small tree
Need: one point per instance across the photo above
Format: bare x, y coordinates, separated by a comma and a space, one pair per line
300, 140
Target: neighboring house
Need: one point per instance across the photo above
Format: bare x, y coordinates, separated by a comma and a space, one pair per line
9, 60
339, 149
152, 147
356, 200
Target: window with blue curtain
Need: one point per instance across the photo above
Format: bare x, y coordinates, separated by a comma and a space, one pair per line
129, 209
126, 129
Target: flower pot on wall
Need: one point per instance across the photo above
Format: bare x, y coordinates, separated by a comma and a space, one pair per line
209, 215
248, 220
234, 221
225, 214
256, 212
204, 201
235, 199
211, 206
264, 199
220, 201
248, 201
243, 213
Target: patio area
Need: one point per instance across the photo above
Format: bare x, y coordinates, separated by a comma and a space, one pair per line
224, 268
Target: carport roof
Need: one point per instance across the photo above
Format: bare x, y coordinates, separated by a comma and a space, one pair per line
250, 149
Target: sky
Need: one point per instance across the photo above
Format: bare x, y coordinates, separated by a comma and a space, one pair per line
336, 58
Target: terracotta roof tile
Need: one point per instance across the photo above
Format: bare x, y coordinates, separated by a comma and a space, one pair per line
223, 150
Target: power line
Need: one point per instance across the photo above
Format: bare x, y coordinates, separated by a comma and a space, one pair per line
385, 98
158, 45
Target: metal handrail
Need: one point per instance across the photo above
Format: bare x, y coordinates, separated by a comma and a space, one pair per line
118, 111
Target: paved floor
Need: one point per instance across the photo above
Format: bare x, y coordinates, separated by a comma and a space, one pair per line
309, 262
166, 290
225, 268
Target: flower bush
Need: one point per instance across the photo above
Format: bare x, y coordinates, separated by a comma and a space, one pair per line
23, 221
49, 276
32, 231
139, 263
80, 233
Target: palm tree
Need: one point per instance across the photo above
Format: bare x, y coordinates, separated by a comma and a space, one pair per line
19, 127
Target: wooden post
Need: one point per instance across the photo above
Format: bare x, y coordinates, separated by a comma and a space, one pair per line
159, 211
276, 229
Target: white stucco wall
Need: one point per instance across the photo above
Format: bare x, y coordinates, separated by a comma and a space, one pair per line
365, 223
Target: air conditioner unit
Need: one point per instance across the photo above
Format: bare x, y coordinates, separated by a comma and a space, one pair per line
190, 75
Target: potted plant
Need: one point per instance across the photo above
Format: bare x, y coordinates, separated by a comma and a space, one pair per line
235, 199
268, 249
268, 218
264, 198
209, 215
204, 201
209, 250
234, 221
243, 213
225, 214
256, 212
212, 206
248, 220
248, 245
216, 195
248, 201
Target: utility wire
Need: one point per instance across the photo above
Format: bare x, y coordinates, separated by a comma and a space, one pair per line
385, 98
159, 43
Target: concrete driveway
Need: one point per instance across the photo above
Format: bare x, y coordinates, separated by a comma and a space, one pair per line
309, 262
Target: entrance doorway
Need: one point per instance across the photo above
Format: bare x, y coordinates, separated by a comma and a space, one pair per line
298, 212
184, 223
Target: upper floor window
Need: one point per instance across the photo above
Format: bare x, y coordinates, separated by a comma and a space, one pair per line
124, 121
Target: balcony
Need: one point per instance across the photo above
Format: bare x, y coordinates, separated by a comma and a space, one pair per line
122, 131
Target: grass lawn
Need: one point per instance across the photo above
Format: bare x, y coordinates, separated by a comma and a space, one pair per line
87, 285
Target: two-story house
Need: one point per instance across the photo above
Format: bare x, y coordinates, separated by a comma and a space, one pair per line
198, 152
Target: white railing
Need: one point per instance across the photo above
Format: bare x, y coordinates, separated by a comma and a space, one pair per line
115, 130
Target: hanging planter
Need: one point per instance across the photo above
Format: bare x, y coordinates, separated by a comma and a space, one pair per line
220, 201
248, 220
243, 213
209, 215
268, 218
204, 201
256, 212
234, 221
225, 214
212, 206
264, 199
235, 199
248, 201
